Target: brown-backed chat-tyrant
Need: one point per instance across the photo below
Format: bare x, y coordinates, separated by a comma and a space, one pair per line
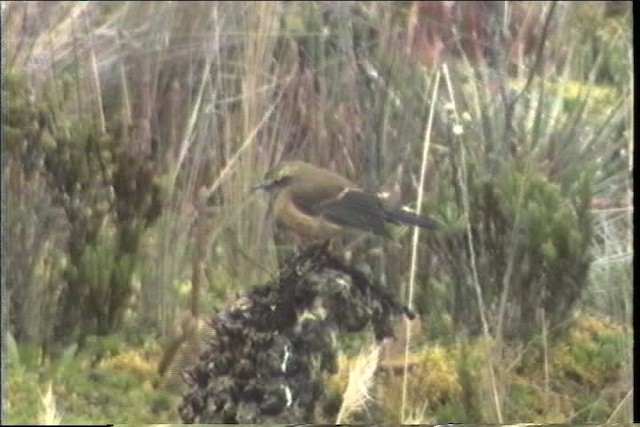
319, 203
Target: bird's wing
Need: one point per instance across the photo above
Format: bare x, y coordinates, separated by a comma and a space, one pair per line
342, 206
354, 208
309, 198
406, 217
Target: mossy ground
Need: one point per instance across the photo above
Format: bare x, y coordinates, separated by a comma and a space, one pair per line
448, 383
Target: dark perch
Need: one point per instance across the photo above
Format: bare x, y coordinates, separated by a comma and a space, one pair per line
265, 361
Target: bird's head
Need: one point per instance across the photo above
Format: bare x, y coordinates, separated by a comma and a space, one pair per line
281, 176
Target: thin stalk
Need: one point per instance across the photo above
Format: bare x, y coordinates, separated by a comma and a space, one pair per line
545, 347
95, 76
416, 235
462, 176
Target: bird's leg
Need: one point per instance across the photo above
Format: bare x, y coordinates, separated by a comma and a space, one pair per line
334, 246
286, 245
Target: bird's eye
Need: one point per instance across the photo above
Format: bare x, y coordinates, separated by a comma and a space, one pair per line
277, 183
282, 181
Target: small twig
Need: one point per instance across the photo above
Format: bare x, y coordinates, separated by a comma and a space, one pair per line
538, 60
622, 402
545, 347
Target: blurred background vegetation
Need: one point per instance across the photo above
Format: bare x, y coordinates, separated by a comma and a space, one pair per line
133, 131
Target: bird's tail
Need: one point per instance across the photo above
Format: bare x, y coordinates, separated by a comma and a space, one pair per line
406, 217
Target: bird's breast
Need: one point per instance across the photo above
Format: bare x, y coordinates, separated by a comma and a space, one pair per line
290, 216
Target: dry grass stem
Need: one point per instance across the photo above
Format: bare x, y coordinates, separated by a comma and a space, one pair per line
48, 412
361, 377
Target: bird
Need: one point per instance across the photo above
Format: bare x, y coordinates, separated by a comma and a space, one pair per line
321, 204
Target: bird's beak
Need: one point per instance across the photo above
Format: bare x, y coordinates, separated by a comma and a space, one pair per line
269, 185
257, 187
266, 186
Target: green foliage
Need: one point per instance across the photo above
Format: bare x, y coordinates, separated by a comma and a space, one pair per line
528, 168
22, 396
450, 384
468, 364
529, 401
118, 389
592, 407
436, 304
433, 383
97, 347
606, 43
591, 353
552, 240
109, 199
13, 354
528, 221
